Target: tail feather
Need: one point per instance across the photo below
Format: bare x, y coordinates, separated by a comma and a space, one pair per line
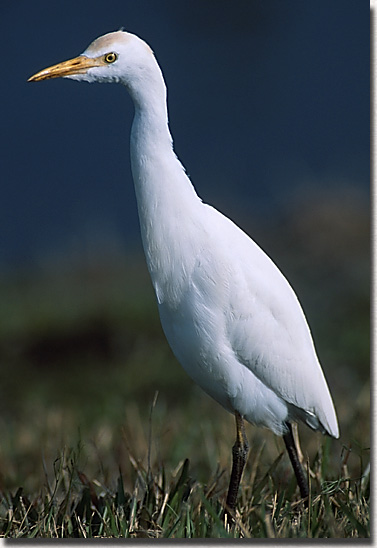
326, 424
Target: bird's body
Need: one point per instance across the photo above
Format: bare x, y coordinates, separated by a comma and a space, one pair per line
231, 318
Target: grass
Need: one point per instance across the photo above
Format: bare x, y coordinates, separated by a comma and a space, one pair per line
162, 473
142, 496
88, 450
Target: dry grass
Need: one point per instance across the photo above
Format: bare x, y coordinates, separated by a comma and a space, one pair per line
123, 482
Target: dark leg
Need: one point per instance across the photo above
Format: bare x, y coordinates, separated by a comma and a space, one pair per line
298, 469
240, 451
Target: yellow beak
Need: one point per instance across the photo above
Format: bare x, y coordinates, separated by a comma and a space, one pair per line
78, 65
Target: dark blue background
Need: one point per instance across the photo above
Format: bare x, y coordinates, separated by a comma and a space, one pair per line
266, 97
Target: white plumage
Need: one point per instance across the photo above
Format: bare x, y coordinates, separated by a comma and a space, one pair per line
230, 316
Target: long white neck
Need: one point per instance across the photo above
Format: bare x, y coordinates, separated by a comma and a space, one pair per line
167, 202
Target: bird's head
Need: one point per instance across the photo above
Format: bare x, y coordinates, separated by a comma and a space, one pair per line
115, 57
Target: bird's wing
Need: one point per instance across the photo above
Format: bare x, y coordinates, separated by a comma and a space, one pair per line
267, 329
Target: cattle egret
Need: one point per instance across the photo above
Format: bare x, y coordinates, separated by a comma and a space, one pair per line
229, 315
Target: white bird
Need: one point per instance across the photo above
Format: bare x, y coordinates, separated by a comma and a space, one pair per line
229, 315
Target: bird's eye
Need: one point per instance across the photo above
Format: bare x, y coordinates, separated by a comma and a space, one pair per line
111, 57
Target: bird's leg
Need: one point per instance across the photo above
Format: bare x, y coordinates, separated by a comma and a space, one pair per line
298, 469
240, 451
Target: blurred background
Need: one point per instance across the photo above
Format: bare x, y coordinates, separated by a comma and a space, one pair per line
269, 110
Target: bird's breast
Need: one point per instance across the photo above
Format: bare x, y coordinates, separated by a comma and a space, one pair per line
194, 323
